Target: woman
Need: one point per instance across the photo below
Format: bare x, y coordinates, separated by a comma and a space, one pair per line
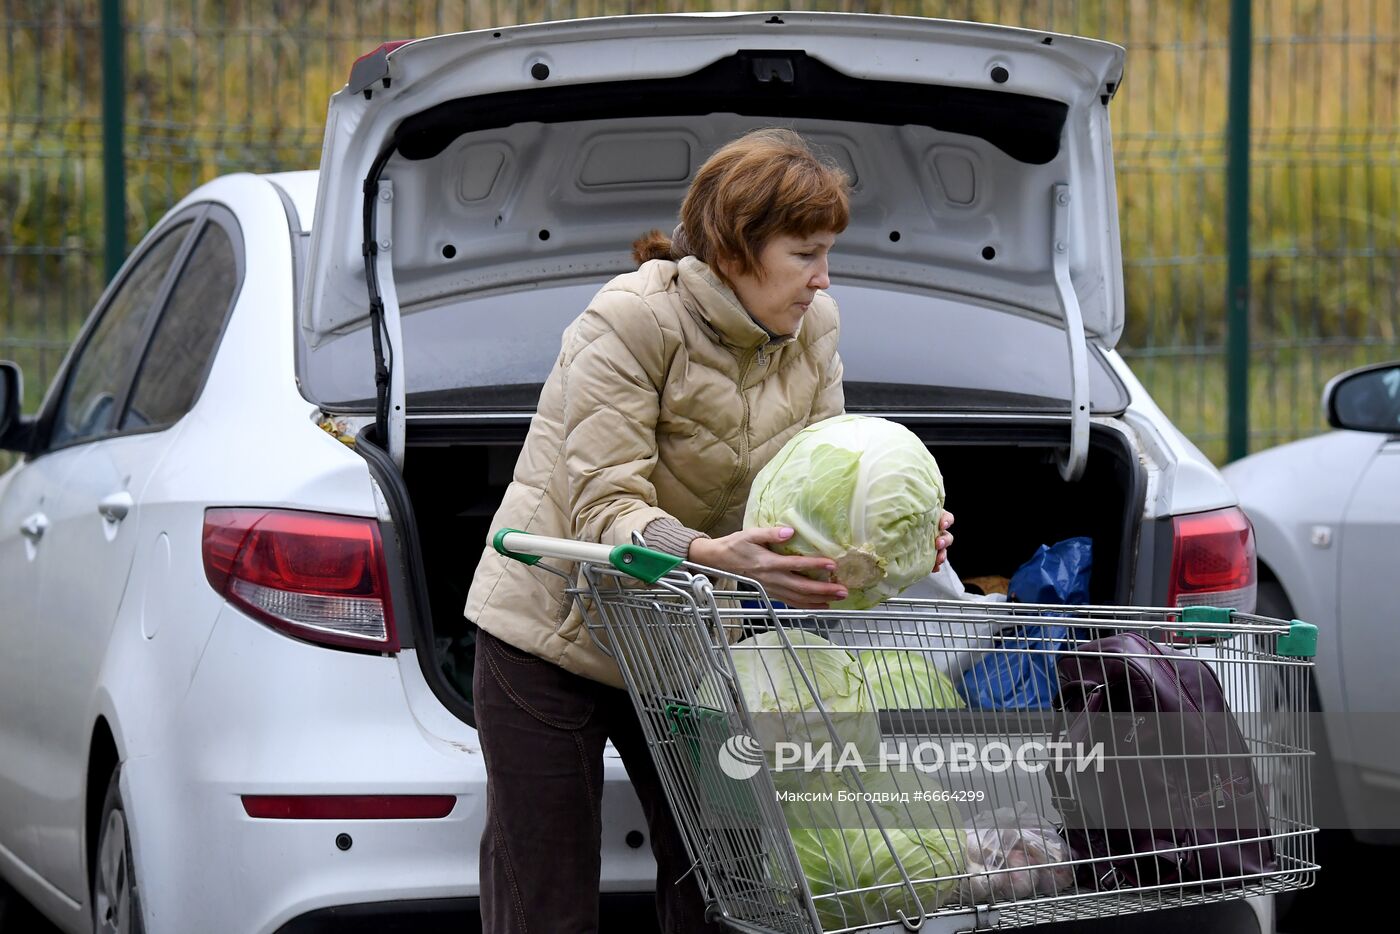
670, 392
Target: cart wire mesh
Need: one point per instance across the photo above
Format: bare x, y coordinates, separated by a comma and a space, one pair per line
827, 773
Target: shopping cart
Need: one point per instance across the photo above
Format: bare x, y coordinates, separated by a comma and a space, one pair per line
827, 775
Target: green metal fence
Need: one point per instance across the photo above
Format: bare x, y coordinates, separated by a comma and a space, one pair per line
214, 86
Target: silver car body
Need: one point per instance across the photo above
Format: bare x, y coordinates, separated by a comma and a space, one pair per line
1326, 515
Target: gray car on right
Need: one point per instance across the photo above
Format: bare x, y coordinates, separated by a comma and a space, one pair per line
1326, 515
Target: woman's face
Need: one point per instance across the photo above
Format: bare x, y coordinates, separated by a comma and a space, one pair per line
790, 271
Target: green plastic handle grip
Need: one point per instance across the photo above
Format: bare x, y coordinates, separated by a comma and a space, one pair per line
645, 564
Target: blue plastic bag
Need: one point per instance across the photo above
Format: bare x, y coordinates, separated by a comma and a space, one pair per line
1020, 675
1056, 573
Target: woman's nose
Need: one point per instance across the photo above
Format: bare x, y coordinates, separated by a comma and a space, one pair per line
821, 278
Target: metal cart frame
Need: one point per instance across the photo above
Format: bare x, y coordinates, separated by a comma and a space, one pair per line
891, 849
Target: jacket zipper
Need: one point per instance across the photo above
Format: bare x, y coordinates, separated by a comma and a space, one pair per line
744, 452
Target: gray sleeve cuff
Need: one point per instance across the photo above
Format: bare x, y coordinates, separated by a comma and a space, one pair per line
670, 536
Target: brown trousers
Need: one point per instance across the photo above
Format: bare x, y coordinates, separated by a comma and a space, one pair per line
542, 734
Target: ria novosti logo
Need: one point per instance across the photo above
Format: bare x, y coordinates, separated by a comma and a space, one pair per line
740, 757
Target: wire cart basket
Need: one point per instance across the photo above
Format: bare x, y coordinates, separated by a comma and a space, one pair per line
827, 774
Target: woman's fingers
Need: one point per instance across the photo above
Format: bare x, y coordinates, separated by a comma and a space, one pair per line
804, 588
770, 535
801, 565
798, 564
789, 584
795, 579
943, 541
801, 581
945, 538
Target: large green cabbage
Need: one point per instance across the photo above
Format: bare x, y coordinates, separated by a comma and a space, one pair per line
785, 710
862, 491
837, 862
847, 852
933, 861
837, 837
905, 680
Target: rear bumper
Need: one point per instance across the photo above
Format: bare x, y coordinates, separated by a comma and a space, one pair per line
618, 911
266, 715
636, 913
426, 916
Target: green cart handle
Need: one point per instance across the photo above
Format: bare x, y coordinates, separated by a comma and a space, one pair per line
1299, 642
644, 564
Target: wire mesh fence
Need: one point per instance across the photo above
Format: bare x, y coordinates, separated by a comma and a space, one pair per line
217, 86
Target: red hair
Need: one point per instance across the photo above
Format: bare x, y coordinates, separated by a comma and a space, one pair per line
764, 184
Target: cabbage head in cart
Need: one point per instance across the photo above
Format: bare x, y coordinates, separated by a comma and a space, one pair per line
907, 680
862, 491
838, 837
850, 853
853, 687
784, 709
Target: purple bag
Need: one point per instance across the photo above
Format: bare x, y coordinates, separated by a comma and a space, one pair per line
1177, 792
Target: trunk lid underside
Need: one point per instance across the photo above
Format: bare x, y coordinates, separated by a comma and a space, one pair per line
535, 153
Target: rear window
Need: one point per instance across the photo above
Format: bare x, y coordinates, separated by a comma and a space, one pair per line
901, 350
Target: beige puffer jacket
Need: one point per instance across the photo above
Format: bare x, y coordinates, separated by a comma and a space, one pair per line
665, 401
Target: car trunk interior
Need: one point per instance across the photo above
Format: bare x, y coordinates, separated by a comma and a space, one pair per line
1002, 485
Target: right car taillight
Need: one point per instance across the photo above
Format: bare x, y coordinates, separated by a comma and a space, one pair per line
1213, 560
315, 576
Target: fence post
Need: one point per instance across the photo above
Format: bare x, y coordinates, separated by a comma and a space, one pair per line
113, 143
1237, 213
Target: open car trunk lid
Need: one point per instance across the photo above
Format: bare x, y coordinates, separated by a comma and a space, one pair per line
499, 159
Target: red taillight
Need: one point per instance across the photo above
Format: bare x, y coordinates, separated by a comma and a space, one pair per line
311, 575
349, 807
1213, 562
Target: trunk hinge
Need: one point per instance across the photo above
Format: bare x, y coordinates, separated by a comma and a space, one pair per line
1071, 464
388, 360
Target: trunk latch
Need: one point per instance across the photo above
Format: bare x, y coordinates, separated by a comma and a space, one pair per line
770, 69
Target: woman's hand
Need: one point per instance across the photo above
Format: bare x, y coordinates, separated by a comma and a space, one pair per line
747, 553
944, 540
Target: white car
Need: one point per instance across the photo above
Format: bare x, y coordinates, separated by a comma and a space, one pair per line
1326, 514
234, 554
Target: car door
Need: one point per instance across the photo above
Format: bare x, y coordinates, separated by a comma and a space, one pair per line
95, 523
1368, 610
24, 495
29, 506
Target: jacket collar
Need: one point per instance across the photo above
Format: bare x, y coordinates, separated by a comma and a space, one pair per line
715, 304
